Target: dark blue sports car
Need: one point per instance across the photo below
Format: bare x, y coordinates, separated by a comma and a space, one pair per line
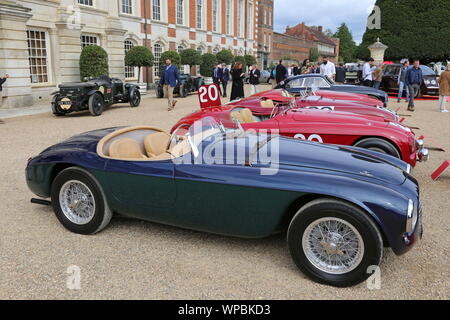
340, 206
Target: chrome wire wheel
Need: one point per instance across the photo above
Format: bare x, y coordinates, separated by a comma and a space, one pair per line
77, 202
333, 245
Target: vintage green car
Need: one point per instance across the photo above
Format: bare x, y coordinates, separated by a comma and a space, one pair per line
94, 95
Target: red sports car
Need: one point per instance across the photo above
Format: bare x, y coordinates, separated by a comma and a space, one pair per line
262, 102
322, 126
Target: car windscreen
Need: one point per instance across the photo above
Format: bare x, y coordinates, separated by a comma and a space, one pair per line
427, 71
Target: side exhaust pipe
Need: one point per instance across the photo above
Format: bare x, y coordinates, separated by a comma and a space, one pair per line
41, 202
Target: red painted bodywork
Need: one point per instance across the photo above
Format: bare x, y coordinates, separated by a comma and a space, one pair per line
327, 94
333, 127
366, 106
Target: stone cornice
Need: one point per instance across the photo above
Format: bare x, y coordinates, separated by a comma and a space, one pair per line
10, 10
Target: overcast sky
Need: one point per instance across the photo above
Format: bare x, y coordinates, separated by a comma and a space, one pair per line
328, 13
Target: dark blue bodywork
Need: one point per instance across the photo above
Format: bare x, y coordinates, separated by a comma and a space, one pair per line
199, 193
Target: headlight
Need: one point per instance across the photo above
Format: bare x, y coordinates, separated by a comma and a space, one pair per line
408, 168
427, 81
420, 144
411, 217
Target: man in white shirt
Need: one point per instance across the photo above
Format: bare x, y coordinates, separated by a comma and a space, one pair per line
328, 68
367, 73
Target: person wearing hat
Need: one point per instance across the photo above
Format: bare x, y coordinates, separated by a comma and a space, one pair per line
444, 89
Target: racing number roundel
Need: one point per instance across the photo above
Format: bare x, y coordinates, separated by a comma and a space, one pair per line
209, 96
312, 138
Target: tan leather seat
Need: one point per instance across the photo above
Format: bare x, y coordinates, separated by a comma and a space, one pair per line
155, 144
126, 148
236, 115
247, 116
267, 104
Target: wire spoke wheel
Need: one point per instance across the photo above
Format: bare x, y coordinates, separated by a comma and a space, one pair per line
77, 202
333, 245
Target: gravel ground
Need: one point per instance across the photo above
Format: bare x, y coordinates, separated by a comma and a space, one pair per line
141, 260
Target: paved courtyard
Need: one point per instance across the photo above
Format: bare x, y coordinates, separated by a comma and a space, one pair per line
140, 260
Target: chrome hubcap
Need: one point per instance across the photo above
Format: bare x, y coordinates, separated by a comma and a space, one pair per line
333, 245
77, 202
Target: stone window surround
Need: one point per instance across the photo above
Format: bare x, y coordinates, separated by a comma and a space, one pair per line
50, 77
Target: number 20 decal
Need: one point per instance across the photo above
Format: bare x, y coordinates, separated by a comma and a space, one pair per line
209, 93
312, 138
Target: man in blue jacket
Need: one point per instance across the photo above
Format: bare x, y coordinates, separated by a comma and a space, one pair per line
225, 79
217, 76
413, 80
169, 79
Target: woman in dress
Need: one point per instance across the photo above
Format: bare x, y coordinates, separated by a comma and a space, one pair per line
237, 76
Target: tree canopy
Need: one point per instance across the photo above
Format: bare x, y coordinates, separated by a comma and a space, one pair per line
190, 57
93, 62
207, 65
411, 28
225, 56
347, 45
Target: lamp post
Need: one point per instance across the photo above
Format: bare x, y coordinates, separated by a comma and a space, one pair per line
377, 51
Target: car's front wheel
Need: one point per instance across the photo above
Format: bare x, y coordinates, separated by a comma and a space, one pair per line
56, 109
96, 104
79, 202
334, 242
379, 145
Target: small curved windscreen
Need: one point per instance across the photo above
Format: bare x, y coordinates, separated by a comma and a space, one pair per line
427, 71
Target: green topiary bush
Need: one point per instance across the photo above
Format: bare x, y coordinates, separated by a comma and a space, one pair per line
249, 60
225, 56
190, 57
207, 65
139, 57
93, 62
173, 56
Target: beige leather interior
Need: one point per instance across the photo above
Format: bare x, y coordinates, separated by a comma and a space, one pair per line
247, 115
267, 104
236, 115
155, 144
126, 148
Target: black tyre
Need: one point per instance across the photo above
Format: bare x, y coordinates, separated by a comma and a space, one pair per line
334, 242
56, 109
135, 98
79, 202
96, 104
379, 145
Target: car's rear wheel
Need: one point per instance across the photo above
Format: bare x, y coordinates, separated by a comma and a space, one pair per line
379, 145
96, 104
79, 202
135, 98
334, 242
56, 109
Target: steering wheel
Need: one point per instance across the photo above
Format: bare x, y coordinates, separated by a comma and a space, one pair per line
174, 137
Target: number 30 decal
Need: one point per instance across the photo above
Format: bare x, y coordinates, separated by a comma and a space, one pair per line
312, 138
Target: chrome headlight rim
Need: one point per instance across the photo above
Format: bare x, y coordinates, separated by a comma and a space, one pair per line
411, 217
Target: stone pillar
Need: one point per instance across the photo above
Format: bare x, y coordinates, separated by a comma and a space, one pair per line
14, 54
114, 45
67, 47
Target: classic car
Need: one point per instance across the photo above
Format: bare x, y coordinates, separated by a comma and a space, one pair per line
340, 206
323, 126
260, 103
297, 84
429, 86
187, 85
94, 95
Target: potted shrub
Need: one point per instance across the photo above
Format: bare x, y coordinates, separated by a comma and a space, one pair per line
139, 57
207, 67
93, 62
225, 56
190, 57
